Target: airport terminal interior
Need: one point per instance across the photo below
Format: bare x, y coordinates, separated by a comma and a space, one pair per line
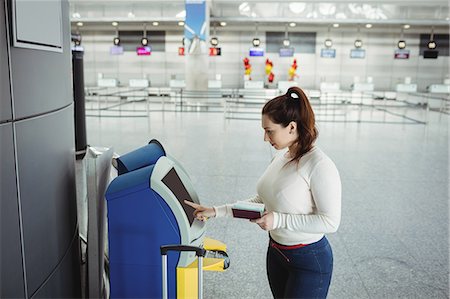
114, 112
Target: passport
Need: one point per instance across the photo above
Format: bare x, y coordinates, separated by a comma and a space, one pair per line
247, 210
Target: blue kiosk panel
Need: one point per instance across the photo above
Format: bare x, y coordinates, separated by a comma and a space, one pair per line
143, 156
140, 221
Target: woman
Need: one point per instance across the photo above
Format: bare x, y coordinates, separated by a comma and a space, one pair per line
301, 190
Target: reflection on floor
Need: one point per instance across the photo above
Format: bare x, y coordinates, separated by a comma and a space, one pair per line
393, 239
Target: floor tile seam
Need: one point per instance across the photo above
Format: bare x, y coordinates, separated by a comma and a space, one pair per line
354, 267
430, 276
417, 262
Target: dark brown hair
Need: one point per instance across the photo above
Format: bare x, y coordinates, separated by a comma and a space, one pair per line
294, 106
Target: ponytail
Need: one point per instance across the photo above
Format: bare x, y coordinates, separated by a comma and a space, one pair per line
294, 106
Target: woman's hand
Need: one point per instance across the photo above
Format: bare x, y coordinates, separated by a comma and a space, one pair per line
201, 213
265, 222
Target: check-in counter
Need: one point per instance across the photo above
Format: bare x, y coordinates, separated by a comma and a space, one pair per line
146, 210
362, 87
176, 83
330, 87
138, 83
253, 84
214, 84
439, 88
406, 88
110, 82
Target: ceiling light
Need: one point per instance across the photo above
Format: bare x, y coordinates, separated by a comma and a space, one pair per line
328, 43
214, 41
223, 24
401, 44
116, 41
327, 9
115, 24
431, 45
131, 15
76, 15
358, 43
292, 24
256, 42
79, 24
144, 41
297, 7
155, 23
406, 26
76, 38
244, 8
368, 25
180, 23
355, 8
286, 42
336, 25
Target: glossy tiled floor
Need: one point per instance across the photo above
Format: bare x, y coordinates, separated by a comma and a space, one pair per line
393, 239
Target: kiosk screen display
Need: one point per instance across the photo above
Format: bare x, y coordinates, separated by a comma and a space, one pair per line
174, 183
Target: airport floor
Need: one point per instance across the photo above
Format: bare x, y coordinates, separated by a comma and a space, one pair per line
393, 239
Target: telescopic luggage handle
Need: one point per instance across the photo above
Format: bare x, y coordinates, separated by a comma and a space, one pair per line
199, 252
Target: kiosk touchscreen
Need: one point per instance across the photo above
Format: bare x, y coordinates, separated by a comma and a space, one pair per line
146, 210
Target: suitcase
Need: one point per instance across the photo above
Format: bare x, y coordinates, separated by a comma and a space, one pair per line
199, 252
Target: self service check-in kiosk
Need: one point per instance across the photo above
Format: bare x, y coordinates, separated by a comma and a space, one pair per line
146, 210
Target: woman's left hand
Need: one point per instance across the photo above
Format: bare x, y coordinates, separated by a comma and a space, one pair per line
265, 222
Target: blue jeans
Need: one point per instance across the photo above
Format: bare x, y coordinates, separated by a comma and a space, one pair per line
303, 272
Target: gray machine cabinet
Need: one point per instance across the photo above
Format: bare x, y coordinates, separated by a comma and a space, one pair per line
37, 30
5, 97
48, 82
46, 171
65, 281
11, 256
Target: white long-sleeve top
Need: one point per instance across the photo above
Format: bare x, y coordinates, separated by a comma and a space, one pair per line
305, 199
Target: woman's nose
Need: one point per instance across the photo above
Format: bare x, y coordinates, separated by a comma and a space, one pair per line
266, 138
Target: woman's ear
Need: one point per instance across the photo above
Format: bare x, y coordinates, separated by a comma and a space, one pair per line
292, 126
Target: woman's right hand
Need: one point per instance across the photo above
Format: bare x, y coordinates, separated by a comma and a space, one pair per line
201, 212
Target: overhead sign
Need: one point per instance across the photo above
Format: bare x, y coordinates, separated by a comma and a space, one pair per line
116, 50
287, 52
358, 53
328, 53
433, 54
256, 51
143, 51
195, 23
401, 54
215, 51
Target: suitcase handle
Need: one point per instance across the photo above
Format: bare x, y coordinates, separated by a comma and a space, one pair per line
199, 252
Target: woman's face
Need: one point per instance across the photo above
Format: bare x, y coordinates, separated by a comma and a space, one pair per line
279, 137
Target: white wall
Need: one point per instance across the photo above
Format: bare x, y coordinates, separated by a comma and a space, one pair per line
312, 69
